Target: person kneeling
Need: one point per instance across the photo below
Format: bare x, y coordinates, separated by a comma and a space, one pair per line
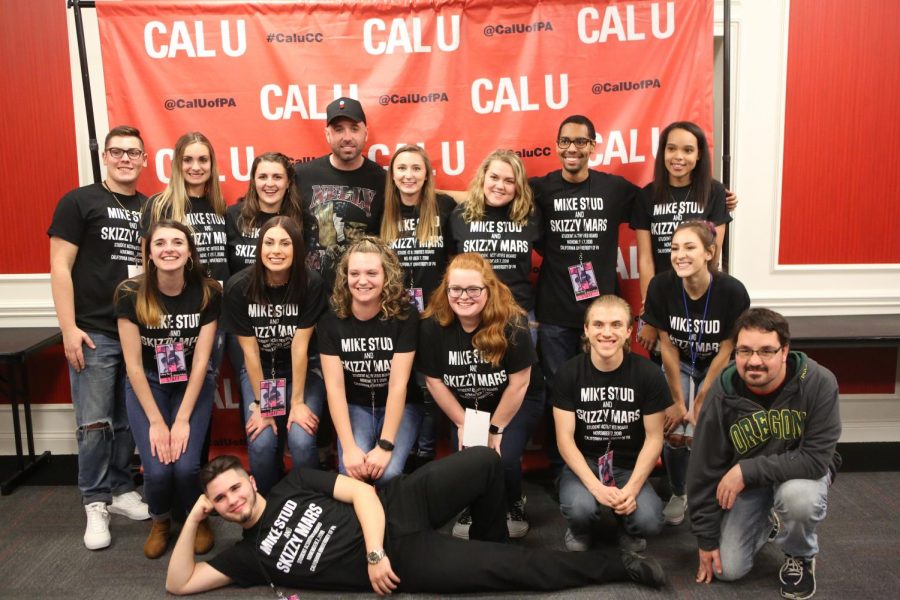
763, 457
609, 403
321, 530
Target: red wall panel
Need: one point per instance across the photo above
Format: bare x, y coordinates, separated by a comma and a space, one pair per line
841, 181
38, 163
860, 370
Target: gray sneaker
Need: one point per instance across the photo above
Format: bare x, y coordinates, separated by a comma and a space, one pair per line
630, 543
675, 509
577, 543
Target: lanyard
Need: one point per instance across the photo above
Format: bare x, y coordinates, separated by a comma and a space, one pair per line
696, 334
278, 592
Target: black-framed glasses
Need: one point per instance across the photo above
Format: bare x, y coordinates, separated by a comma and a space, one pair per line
764, 353
117, 153
579, 142
473, 291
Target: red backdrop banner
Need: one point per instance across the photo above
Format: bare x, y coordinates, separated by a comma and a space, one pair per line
459, 78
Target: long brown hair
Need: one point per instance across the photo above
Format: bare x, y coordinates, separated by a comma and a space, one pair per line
500, 310
521, 207
296, 286
148, 305
428, 228
173, 202
290, 204
394, 299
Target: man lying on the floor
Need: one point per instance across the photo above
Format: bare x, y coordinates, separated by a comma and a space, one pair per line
320, 530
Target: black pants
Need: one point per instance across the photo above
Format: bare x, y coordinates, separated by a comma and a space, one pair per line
428, 561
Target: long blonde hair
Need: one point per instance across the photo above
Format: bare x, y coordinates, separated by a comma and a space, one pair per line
500, 309
394, 299
428, 228
522, 205
173, 202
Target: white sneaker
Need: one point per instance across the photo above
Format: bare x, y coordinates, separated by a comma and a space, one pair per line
462, 525
675, 509
130, 505
96, 534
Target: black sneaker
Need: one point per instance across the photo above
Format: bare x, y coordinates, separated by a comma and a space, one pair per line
798, 577
516, 519
644, 570
462, 525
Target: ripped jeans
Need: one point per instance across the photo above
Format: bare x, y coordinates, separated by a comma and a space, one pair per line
105, 443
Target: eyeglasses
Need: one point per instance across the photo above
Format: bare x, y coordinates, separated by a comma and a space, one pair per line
473, 292
764, 353
133, 153
565, 142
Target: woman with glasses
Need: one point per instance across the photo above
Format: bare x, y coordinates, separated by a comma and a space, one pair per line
682, 190
167, 324
499, 221
415, 224
477, 355
367, 344
694, 307
272, 309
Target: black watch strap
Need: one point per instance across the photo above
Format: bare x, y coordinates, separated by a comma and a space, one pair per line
495, 430
385, 445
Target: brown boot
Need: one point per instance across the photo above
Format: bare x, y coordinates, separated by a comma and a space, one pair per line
205, 539
158, 540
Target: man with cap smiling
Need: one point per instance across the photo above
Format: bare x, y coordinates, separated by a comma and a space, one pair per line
342, 192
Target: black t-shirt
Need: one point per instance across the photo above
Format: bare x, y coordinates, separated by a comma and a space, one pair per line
447, 353
610, 406
661, 220
504, 244
273, 324
424, 265
105, 229
304, 539
366, 350
581, 224
338, 207
209, 234
242, 243
181, 322
664, 309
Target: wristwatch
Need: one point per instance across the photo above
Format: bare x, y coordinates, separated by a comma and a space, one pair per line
385, 445
494, 430
374, 557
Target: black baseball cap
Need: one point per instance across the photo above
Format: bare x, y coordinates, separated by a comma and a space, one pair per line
345, 107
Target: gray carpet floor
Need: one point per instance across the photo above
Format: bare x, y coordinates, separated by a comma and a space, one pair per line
42, 554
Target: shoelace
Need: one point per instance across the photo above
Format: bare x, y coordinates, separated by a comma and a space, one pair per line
793, 568
96, 518
465, 518
517, 512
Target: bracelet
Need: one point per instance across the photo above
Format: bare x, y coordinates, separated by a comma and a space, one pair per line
494, 430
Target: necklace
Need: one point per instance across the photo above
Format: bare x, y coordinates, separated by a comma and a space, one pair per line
111, 193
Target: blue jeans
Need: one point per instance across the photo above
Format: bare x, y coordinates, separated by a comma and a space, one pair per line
558, 344
676, 459
105, 443
266, 452
800, 504
172, 486
425, 442
515, 438
366, 424
581, 509
215, 357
